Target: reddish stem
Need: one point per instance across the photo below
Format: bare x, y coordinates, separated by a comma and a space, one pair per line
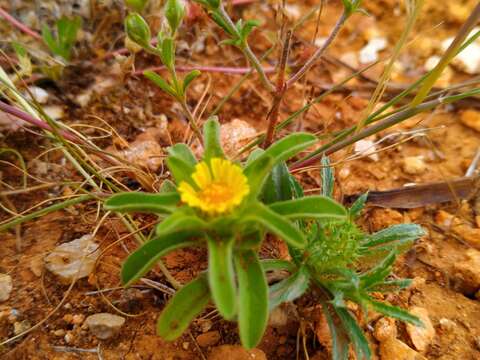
217, 69
12, 110
19, 25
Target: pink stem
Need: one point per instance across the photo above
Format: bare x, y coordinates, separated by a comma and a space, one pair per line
217, 69
19, 25
12, 110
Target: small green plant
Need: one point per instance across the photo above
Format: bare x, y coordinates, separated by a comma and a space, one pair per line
340, 263
61, 43
219, 204
138, 31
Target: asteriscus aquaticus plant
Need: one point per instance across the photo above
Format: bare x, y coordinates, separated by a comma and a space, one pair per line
220, 186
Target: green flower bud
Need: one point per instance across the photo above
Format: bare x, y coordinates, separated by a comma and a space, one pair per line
174, 12
136, 5
137, 30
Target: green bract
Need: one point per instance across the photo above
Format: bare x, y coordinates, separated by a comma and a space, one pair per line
137, 30
235, 280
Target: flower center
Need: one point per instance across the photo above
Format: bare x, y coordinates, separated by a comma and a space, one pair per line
216, 193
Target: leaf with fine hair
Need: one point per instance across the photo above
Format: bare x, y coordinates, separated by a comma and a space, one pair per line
160, 82
358, 205
278, 186
276, 224
328, 177
290, 288
253, 298
221, 276
257, 174
186, 304
395, 234
339, 338
183, 219
395, 312
355, 334
187, 80
379, 272
284, 149
211, 139
145, 257
183, 152
161, 203
180, 169
314, 207
277, 264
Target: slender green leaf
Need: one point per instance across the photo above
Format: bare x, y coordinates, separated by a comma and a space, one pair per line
277, 264
221, 276
144, 258
328, 177
358, 205
315, 207
187, 80
254, 155
186, 304
211, 139
290, 288
160, 82
257, 174
286, 148
395, 312
339, 338
379, 272
253, 298
397, 233
276, 224
278, 186
161, 203
355, 333
181, 220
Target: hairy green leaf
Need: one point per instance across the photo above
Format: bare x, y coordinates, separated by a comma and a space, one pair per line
358, 205
253, 298
315, 207
221, 276
257, 174
182, 219
187, 80
355, 334
276, 224
394, 234
160, 82
144, 258
290, 288
278, 186
211, 139
161, 203
277, 264
395, 312
186, 304
328, 177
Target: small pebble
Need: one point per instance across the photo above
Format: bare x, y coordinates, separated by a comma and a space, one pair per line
414, 165
104, 325
6, 287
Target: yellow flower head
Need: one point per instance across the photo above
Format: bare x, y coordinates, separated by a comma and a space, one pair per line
221, 187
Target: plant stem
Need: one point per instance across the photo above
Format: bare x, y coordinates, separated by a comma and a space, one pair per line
19, 25
382, 125
191, 120
272, 116
319, 53
213, 69
47, 210
247, 51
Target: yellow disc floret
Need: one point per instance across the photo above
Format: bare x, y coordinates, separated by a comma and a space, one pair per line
220, 187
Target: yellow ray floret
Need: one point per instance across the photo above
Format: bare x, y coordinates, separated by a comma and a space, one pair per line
221, 187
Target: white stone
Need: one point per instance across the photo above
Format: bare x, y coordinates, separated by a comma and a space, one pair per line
468, 60
104, 325
369, 53
38, 94
54, 111
414, 165
73, 260
367, 148
431, 62
5, 286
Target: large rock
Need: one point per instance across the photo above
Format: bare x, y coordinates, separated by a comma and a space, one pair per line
5, 286
421, 337
73, 260
104, 325
394, 349
235, 352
